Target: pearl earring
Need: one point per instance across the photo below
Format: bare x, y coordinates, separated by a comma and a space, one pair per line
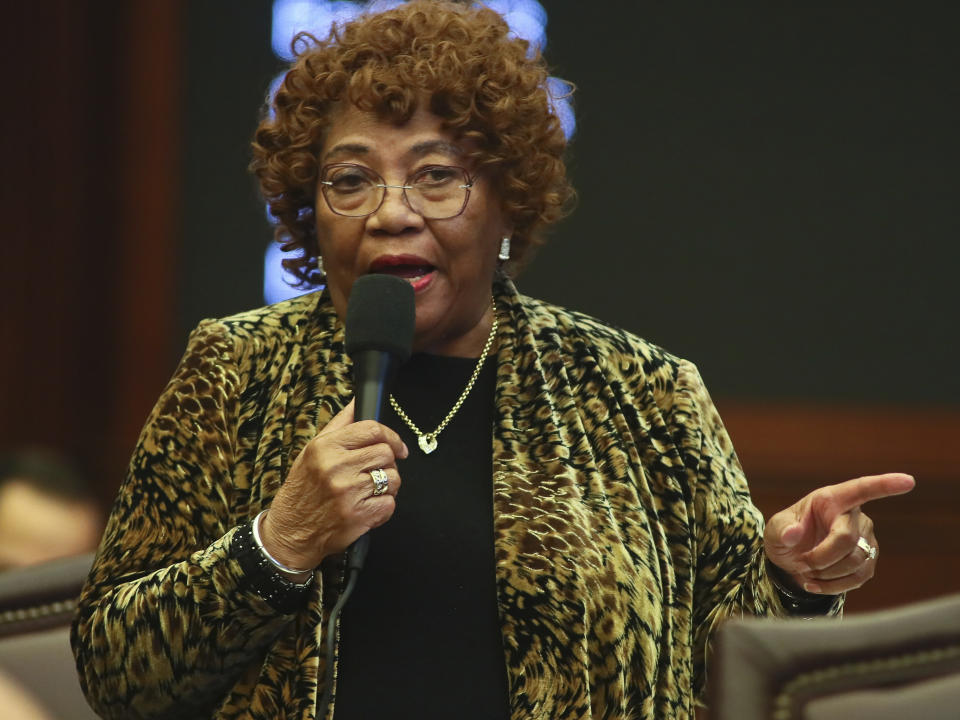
320, 266
504, 248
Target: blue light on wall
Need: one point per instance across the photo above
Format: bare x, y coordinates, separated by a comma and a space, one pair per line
277, 281
316, 17
561, 97
527, 19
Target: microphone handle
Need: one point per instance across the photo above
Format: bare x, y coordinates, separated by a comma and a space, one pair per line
358, 552
373, 372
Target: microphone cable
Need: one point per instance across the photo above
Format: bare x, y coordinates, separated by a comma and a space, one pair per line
355, 559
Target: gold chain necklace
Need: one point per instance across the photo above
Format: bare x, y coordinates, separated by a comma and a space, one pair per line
428, 441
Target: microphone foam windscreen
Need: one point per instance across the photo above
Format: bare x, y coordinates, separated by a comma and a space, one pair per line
380, 316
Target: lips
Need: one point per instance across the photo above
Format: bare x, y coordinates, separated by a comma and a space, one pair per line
409, 267
406, 271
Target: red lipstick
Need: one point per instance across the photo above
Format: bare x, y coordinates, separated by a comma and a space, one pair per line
413, 268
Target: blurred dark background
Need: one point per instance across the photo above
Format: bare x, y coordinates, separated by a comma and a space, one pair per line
767, 190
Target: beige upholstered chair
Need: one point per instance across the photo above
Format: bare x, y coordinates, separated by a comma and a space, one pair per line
900, 664
36, 608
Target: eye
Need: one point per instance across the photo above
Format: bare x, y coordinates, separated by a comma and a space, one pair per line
437, 175
348, 180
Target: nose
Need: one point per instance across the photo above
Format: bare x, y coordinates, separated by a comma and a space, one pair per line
394, 214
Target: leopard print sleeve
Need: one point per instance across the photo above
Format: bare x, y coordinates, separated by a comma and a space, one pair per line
167, 622
730, 575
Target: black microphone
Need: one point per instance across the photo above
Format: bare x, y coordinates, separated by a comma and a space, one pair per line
379, 338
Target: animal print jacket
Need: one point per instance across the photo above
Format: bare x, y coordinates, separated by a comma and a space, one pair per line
624, 531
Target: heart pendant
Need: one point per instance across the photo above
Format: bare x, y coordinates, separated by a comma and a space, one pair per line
428, 443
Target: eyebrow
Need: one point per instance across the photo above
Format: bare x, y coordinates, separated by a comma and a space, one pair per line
429, 146
347, 149
419, 150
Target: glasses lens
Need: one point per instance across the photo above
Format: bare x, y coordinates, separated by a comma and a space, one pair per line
438, 191
351, 190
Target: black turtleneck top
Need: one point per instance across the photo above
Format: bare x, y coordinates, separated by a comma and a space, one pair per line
420, 637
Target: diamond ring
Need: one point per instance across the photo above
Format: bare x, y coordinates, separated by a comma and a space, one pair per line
380, 481
869, 549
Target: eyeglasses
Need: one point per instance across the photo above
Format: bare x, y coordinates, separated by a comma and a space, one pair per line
435, 192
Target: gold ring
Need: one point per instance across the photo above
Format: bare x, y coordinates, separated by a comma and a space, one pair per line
380, 481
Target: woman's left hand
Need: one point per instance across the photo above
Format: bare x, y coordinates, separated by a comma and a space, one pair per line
816, 542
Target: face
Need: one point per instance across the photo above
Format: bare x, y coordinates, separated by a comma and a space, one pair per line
450, 262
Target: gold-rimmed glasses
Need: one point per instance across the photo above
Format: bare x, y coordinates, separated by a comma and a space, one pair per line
435, 192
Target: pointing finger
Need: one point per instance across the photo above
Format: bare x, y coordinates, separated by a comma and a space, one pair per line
853, 493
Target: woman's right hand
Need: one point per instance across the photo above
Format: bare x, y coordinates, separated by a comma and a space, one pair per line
327, 501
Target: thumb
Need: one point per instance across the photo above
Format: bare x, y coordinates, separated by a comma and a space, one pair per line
341, 419
791, 535
784, 531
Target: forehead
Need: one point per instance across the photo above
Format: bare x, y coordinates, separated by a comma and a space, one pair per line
358, 134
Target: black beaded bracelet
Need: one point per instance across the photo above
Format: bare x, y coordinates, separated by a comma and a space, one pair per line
801, 602
263, 578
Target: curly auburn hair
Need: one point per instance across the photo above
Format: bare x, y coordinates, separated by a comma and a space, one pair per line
477, 79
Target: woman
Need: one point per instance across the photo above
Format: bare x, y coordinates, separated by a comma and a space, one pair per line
573, 524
